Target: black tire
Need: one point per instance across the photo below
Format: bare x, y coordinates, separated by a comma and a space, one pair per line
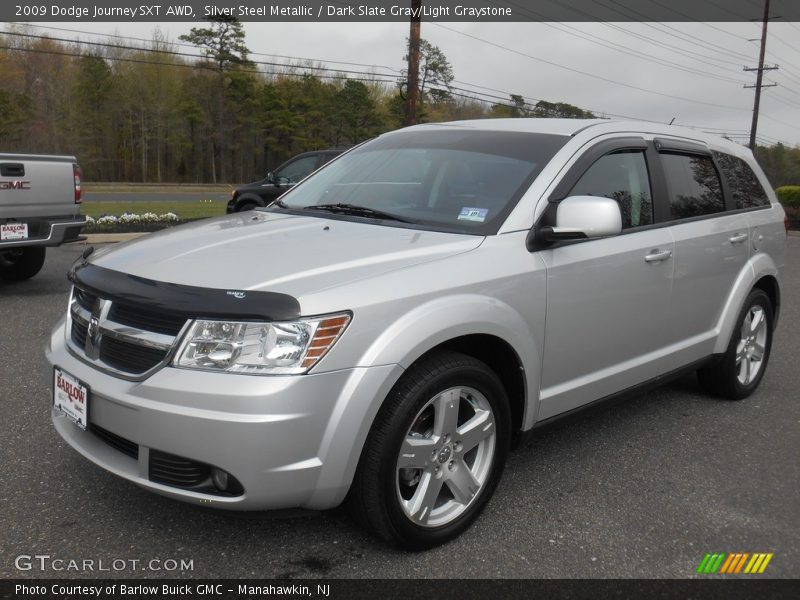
247, 206
723, 377
375, 496
21, 263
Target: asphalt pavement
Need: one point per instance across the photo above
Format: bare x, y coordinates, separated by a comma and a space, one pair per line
640, 489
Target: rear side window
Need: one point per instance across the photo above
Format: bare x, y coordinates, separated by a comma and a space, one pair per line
694, 185
743, 183
622, 177
298, 169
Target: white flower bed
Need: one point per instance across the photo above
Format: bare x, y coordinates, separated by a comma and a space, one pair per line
126, 220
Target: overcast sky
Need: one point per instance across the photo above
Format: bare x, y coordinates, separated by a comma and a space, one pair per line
696, 68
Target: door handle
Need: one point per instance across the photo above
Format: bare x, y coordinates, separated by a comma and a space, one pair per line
658, 256
739, 238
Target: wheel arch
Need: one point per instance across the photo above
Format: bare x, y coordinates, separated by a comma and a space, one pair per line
248, 198
760, 272
501, 358
769, 284
476, 325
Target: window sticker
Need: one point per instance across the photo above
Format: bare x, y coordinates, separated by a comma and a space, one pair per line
473, 214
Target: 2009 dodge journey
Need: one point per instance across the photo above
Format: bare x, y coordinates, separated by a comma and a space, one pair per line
383, 332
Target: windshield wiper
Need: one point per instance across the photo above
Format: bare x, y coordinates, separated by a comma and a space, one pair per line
355, 210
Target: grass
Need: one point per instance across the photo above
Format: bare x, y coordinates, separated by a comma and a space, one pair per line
157, 188
184, 210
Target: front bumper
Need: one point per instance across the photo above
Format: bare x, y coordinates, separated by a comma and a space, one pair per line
292, 441
49, 232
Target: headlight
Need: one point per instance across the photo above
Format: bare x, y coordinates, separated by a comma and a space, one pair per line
279, 348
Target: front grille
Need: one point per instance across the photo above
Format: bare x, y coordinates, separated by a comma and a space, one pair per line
115, 441
135, 316
127, 339
78, 333
85, 299
129, 357
178, 471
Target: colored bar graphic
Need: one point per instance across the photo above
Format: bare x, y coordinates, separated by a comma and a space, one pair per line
766, 562
740, 564
702, 567
734, 563
727, 564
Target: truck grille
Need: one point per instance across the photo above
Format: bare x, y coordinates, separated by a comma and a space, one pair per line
124, 338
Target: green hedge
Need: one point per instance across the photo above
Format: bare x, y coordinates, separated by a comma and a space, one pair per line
789, 195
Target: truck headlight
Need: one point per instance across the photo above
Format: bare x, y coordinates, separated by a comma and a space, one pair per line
277, 348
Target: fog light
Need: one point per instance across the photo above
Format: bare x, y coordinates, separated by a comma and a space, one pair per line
220, 479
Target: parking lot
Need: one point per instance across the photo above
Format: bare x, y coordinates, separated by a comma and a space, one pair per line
640, 489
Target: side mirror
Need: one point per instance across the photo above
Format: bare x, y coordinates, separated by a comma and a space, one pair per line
270, 177
584, 217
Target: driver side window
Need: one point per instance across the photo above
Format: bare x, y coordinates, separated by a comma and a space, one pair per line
621, 176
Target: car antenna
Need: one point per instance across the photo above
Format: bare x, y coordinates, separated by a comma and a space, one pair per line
672, 121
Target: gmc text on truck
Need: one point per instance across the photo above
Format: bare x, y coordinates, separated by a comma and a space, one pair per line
40, 198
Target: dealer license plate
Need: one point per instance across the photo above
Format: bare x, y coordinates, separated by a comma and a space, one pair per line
14, 231
71, 397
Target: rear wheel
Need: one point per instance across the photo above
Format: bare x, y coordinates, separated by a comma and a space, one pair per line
435, 453
741, 368
21, 263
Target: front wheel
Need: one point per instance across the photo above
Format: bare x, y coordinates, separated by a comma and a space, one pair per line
21, 263
741, 368
435, 453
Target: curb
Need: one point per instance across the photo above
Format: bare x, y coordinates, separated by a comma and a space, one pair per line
105, 238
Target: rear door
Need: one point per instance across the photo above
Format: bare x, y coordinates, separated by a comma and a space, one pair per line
711, 246
607, 298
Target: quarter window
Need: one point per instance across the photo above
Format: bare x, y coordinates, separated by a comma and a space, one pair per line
694, 186
623, 177
744, 185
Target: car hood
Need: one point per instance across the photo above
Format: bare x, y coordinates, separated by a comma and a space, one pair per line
268, 251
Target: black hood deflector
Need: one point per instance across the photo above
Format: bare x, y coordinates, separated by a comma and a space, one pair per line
183, 300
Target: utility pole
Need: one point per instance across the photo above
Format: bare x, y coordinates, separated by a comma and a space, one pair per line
759, 77
412, 91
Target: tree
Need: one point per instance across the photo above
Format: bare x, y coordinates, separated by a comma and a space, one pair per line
436, 74
355, 114
517, 108
560, 109
223, 45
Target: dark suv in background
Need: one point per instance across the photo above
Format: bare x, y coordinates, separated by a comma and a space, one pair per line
279, 181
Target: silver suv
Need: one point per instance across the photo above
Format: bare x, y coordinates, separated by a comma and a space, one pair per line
422, 301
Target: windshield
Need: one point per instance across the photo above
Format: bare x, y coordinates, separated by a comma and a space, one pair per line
449, 180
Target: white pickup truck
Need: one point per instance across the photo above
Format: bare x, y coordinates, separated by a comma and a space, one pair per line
40, 198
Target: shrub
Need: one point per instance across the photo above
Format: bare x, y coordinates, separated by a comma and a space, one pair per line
789, 195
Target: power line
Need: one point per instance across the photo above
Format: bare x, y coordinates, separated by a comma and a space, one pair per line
184, 45
627, 15
194, 66
586, 74
188, 55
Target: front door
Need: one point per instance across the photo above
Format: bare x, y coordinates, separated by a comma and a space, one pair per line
607, 299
